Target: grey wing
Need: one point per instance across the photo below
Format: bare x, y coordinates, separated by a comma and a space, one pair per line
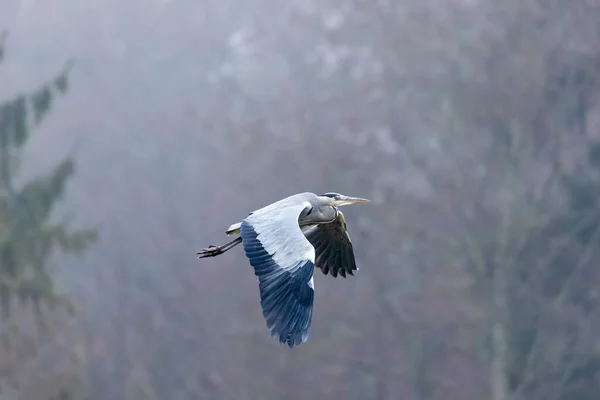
283, 261
292, 200
334, 253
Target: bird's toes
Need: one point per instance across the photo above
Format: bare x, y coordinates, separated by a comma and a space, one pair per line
211, 250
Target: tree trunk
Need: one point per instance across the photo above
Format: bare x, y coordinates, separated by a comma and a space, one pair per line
499, 336
421, 364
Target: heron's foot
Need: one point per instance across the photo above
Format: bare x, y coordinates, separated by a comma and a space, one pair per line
210, 251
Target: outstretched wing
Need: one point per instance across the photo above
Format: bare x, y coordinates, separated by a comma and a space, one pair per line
333, 248
283, 261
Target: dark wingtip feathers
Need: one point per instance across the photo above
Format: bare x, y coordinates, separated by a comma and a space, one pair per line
334, 251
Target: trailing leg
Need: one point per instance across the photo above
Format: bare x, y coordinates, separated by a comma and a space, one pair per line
213, 251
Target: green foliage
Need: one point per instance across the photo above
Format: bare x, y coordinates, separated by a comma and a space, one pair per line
594, 154
28, 237
71, 390
584, 197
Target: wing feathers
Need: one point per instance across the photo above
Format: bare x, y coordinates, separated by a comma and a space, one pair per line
284, 257
334, 253
284, 267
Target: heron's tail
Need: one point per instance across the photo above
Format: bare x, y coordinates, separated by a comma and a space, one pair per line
234, 229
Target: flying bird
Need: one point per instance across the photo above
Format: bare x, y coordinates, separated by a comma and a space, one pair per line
284, 241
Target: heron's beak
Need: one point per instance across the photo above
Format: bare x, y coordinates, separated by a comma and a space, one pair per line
351, 200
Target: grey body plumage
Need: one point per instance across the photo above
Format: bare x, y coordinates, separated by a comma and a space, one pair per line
284, 242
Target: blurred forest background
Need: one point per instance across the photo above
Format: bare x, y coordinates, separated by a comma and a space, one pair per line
132, 133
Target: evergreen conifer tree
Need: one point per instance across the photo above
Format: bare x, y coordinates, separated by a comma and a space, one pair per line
28, 236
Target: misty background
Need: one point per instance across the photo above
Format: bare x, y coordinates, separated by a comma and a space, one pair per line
472, 125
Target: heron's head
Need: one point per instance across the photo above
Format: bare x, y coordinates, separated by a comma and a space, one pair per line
336, 199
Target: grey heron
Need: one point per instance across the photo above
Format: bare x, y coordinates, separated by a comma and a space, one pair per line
284, 241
